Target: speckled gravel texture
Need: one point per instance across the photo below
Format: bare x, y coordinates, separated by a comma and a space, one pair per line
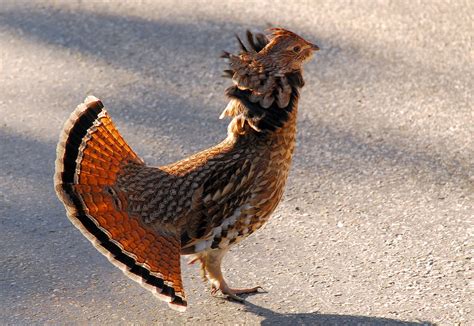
376, 226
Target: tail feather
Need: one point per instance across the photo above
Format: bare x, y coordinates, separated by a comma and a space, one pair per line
90, 155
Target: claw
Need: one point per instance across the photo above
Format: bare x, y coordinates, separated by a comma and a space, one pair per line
232, 293
235, 297
214, 290
249, 290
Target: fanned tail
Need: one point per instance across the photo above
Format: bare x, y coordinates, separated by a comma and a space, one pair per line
90, 155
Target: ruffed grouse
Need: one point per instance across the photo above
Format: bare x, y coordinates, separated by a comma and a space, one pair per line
143, 218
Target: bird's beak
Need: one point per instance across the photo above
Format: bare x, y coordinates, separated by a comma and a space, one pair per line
314, 47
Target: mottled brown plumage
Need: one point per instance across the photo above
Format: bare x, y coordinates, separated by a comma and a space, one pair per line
142, 218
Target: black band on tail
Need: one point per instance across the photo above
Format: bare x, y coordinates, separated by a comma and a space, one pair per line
78, 131
72, 144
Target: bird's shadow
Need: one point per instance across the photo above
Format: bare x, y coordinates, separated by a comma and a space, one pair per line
314, 318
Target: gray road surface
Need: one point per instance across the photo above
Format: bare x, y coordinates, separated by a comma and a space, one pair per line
376, 227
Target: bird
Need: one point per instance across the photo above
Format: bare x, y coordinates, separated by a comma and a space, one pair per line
143, 218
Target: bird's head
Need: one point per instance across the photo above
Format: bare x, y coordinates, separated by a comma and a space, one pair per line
267, 75
286, 51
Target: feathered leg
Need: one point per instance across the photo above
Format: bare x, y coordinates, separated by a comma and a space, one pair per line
211, 270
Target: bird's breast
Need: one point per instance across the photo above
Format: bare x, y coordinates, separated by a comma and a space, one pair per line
266, 192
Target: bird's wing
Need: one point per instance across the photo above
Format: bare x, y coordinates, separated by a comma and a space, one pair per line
164, 197
222, 200
196, 195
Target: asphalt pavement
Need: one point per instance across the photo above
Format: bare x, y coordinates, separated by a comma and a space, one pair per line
376, 226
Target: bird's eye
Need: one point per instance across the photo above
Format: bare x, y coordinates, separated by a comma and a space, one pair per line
297, 49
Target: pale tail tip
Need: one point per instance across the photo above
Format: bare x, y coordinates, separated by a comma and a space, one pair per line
91, 99
176, 307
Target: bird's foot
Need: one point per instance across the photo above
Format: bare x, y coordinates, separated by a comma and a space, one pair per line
211, 271
194, 259
232, 293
